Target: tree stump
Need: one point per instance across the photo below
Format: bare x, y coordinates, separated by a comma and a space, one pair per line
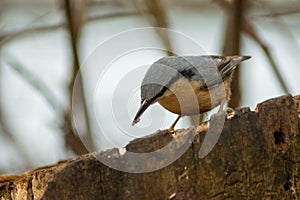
256, 157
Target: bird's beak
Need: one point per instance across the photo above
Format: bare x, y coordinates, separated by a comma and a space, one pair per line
239, 59
245, 58
235, 60
143, 107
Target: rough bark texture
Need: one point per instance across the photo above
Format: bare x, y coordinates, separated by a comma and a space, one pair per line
257, 157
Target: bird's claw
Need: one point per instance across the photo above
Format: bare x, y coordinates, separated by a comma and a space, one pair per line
229, 113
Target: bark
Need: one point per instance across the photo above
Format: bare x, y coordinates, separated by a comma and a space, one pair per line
256, 157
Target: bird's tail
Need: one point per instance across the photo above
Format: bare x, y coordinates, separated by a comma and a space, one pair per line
229, 64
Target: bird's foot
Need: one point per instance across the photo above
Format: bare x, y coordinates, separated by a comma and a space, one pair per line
204, 126
171, 129
230, 113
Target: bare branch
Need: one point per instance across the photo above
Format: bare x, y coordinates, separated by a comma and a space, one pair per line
106, 3
75, 17
10, 136
7, 37
279, 14
249, 29
35, 82
231, 45
158, 12
23, 155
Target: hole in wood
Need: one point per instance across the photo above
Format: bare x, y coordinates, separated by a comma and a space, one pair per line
279, 137
287, 186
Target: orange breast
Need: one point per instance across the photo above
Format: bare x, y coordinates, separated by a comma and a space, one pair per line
186, 98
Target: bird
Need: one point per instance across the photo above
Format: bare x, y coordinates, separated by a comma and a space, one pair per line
188, 85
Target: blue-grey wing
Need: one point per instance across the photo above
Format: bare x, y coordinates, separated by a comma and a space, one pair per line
209, 71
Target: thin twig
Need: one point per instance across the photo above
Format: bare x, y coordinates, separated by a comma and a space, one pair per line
10, 136
75, 17
279, 14
159, 14
106, 3
23, 155
249, 29
7, 37
231, 45
4, 129
35, 82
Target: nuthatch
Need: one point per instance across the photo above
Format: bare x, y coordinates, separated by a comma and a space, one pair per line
177, 82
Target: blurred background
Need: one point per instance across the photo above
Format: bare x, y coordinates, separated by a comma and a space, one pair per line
44, 43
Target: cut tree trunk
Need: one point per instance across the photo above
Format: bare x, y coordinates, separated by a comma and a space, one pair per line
256, 157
